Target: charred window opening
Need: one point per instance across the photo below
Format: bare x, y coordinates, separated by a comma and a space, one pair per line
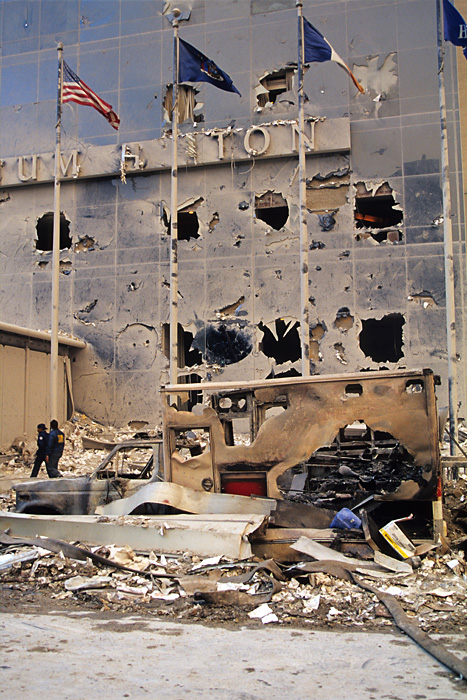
353, 390
382, 339
190, 443
376, 211
223, 345
273, 209
230, 404
187, 357
45, 231
187, 220
274, 84
284, 344
414, 386
359, 463
344, 319
234, 412
188, 225
188, 107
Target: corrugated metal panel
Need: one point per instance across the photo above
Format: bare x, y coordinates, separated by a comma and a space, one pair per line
24, 392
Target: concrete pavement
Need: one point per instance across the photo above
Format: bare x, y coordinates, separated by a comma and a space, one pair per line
83, 655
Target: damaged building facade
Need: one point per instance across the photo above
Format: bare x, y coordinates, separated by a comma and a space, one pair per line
374, 194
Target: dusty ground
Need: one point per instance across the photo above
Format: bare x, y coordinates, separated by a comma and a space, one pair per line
86, 654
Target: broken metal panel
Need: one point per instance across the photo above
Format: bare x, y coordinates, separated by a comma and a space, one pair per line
314, 412
187, 500
207, 535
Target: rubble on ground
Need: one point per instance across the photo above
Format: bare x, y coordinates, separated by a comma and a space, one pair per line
222, 590
177, 586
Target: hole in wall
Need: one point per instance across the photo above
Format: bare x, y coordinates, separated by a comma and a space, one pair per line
214, 221
340, 353
187, 220
283, 342
393, 236
376, 210
223, 344
84, 243
424, 298
382, 339
274, 84
232, 309
325, 194
344, 320
188, 225
187, 355
289, 373
188, 107
273, 209
316, 334
45, 231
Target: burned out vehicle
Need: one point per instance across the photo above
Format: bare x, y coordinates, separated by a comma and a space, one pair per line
328, 441
124, 470
345, 440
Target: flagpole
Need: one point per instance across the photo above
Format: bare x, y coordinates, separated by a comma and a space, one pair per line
304, 297
448, 245
174, 212
56, 248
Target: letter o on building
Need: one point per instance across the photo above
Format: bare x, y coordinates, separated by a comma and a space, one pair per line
256, 151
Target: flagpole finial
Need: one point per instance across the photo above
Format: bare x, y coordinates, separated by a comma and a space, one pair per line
176, 14
59, 46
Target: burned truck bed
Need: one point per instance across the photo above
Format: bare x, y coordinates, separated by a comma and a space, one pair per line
331, 441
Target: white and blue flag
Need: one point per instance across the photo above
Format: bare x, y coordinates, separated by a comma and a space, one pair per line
317, 49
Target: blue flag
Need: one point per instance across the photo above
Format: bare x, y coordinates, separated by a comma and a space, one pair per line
195, 67
455, 28
317, 49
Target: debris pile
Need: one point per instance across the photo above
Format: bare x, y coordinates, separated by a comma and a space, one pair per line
311, 591
298, 565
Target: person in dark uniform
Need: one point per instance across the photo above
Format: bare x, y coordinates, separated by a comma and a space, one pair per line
42, 442
55, 446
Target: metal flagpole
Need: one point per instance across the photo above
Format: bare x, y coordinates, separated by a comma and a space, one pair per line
56, 248
448, 245
174, 213
304, 300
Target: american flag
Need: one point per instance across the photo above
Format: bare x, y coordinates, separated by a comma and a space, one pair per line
75, 90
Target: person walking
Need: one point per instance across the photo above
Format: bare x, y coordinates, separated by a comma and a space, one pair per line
42, 442
55, 446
